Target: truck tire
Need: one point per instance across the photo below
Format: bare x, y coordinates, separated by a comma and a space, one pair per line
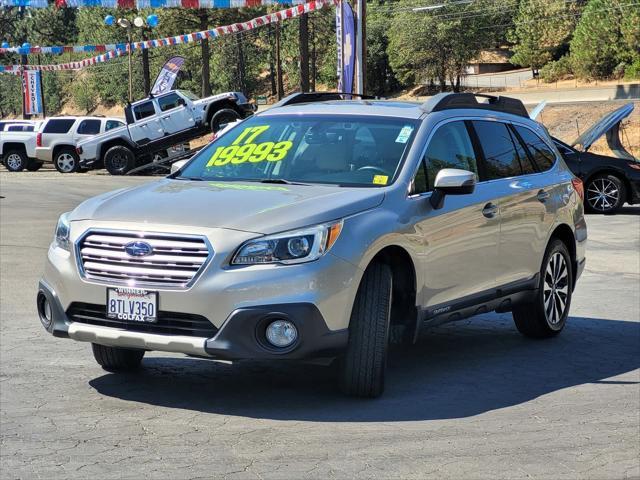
547, 314
222, 117
116, 359
66, 160
34, 166
119, 160
16, 160
364, 364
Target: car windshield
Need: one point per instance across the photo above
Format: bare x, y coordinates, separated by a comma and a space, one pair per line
190, 95
343, 150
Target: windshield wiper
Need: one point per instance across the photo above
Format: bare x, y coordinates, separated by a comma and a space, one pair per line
193, 179
280, 181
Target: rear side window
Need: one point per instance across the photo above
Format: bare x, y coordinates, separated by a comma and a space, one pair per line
112, 124
144, 110
500, 157
541, 153
20, 128
62, 125
169, 101
525, 161
450, 147
89, 127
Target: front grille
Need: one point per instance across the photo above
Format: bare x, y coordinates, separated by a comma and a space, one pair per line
174, 262
169, 323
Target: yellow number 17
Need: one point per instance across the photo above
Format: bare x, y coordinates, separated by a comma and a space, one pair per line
253, 132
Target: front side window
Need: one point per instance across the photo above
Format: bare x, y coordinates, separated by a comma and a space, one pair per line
500, 157
111, 124
144, 110
542, 154
89, 127
169, 101
343, 150
62, 125
449, 147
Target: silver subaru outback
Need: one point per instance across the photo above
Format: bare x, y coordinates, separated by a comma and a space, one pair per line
326, 229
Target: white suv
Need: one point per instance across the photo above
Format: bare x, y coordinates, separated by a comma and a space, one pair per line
56, 141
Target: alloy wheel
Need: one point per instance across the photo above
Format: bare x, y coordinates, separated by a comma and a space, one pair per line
556, 288
66, 162
14, 161
602, 194
119, 162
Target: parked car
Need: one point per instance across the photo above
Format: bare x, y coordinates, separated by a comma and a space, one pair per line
4, 124
21, 127
324, 228
157, 123
18, 151
57, 139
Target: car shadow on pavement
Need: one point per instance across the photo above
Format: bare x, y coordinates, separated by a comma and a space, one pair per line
454, 371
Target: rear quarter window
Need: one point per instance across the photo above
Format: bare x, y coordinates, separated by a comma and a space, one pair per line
58, 126
89, 127
542, 154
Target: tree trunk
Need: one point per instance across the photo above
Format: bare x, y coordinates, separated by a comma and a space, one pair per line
205, 87
314, 58
242, 83
303, 37
279, 64
272, 73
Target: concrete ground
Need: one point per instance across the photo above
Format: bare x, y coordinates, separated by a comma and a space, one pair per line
471, 400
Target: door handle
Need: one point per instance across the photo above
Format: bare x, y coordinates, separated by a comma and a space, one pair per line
543, 196
490, 210
167, 117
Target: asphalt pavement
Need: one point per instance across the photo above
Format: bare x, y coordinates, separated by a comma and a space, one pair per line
471, 400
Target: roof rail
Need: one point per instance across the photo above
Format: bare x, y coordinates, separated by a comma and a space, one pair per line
448, 101
311, 97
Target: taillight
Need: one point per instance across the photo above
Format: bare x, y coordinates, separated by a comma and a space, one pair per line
39, 140
79, 150
635, 166
578, 186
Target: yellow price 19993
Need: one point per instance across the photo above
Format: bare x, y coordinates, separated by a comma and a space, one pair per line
238, 153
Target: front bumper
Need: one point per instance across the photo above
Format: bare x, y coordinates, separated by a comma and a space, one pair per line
44, 154
241, 336
247, 109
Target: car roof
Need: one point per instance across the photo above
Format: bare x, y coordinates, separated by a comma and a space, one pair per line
384, 108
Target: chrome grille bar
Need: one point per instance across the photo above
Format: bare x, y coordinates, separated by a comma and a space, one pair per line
175, 262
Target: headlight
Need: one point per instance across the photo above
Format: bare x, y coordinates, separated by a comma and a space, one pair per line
61, 238
298, 246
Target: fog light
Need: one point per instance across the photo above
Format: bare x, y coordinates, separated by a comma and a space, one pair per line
281, 333
44, 310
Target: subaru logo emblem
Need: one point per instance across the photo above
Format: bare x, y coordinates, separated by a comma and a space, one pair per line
138, 249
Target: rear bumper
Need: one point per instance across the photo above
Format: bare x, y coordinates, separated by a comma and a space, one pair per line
634, 194
240, 337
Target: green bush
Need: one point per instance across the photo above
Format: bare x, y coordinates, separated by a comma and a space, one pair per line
557, 70
632, 72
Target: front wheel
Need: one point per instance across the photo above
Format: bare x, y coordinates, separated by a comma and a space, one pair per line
119, 160
605, 194
547, 314
16, 161
365, 361
222, 117
116, 359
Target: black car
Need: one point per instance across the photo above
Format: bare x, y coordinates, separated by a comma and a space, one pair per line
609, 182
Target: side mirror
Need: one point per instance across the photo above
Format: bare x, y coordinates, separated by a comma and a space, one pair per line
451, 181
175, 166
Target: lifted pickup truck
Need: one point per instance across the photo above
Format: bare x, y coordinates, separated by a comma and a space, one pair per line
18, 151
157, 123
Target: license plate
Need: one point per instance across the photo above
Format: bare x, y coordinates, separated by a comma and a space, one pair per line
132, 304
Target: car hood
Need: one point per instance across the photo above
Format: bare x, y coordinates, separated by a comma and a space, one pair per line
602, 126
214, 98
250, 207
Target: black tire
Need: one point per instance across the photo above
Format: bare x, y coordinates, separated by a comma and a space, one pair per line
604, 193
15, 160
115, 359
119, 160
535, 319
34, 166
222, 117
365, 361
66, 160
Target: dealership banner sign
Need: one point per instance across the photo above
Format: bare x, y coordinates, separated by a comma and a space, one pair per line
167, 76
32, 88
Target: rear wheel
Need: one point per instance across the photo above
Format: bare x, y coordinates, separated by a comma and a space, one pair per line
605, 194
66, 160
15, 160
547, 314
364, 364
222, 117
119, 160
34, 166
116, 358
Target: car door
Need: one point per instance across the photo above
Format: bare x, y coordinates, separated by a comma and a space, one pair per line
523, 197
175, 116
86, 128
146, 126
461, 239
